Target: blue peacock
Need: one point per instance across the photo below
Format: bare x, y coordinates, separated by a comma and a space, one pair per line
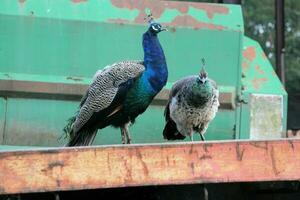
120, 92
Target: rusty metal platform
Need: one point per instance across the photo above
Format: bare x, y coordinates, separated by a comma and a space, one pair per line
58, 169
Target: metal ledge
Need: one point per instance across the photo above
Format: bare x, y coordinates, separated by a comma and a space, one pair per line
139, 165
74, 91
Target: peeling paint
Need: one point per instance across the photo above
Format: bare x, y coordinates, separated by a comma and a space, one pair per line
257, 82
245, 65
239, 152
22, 1
192, 22
158, 7
79, 1
273, 159
249, 53
259, 69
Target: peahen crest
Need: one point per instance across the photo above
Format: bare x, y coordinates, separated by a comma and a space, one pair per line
203, 74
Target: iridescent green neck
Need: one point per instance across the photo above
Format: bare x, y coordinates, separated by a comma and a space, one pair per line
201, 93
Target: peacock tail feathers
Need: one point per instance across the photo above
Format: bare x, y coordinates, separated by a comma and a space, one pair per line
67, 130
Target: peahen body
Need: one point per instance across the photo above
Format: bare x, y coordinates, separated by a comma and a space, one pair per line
193, 103
120, 92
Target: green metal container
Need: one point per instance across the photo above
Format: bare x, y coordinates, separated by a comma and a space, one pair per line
50, 50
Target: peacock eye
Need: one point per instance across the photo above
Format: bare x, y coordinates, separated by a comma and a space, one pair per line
154, 27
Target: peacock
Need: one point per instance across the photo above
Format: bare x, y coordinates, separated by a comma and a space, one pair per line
120, 92
192, 105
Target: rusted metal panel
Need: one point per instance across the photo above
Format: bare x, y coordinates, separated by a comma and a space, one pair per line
66, 91
139, 165
264, 99
188, 14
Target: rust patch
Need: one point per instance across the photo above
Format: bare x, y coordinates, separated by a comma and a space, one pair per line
119, 21
183, 9
257, 82
239, 152
273, 160
128, 176
259, 69
192, 165
79, 1
205, 147
22, 1
192, 22
259, 145
204, 157
291, 144
249, 53
245, 65
158, 7
145, 168
211, 10
56, 163
108, 163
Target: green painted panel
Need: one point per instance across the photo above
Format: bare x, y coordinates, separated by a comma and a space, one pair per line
227, 16
259, 75
20, 148
52, 40
36, 122
76, 48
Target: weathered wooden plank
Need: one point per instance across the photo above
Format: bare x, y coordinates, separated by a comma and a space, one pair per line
137, 165
68, 91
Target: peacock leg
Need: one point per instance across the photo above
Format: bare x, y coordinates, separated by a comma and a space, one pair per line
123, 134
202, 137
127, 133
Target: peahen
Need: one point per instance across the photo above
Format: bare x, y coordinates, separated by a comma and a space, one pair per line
192, 104
120, 92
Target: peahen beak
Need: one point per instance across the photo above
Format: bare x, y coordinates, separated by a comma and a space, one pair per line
202, 79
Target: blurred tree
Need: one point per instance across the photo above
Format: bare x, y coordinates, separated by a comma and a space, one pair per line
292, 36
260, 25
259, 19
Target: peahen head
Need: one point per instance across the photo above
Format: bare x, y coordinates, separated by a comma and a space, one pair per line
202, 87
203, 73
154, 27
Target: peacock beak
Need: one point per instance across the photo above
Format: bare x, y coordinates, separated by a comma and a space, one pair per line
164, 29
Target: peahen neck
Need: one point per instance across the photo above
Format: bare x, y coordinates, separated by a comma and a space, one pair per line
156, 72
201, 93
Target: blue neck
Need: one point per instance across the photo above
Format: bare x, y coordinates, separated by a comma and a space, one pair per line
155, 63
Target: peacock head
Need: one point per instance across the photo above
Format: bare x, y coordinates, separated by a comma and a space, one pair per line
154, 27
203, 73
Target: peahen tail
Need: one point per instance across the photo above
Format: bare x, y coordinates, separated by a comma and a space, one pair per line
84, 137
170, 131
